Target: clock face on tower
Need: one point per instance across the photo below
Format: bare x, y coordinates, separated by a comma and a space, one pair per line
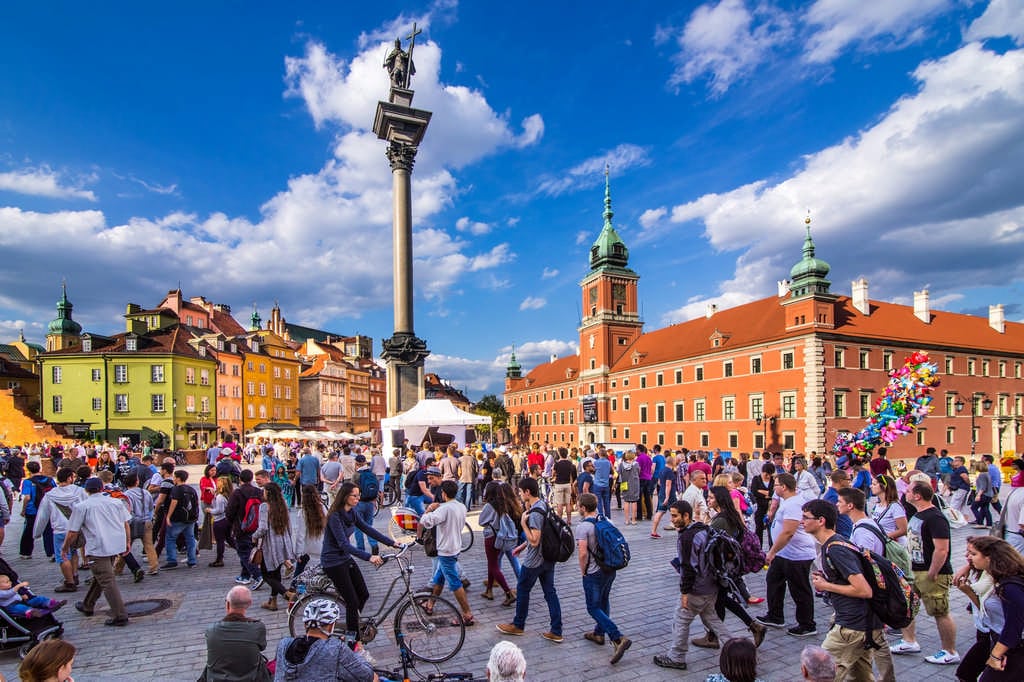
619, 292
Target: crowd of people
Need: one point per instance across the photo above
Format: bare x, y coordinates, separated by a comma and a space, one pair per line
811, 516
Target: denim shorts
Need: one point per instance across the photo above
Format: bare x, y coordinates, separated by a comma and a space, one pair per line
58, 542
448, 572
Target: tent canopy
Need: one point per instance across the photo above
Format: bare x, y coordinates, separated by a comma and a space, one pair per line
433, 412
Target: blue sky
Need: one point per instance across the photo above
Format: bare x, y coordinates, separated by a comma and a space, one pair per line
229, 148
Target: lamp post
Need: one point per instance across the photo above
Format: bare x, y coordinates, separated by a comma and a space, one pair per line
765, 420
986, 404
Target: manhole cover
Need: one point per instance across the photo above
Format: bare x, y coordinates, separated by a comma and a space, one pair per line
146, 607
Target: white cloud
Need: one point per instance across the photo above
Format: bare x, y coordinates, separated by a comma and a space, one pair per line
533, 303
725, 43
1001, 18
933, 186
45, 182
487, 376
533, 353
549, 273
590, 172
652, 217
582, 236
464, 224
838, 24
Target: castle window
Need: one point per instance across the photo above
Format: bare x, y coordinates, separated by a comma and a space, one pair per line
131, 344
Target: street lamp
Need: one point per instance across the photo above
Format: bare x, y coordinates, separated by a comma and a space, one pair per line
764, 431
985, 404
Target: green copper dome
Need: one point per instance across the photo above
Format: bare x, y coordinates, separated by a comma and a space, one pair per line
609, 249
809, 275
514, 370
64, 324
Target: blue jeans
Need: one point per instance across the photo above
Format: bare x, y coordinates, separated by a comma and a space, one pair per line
447, 571
415, 502
465, 494
176, 529
596, 588
604, 501
364, 510
527, 577
513, 561
243, 545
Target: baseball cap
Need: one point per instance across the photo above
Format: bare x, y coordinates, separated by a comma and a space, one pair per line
93, 485
433, 471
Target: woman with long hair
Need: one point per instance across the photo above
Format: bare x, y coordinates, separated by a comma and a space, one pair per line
309, 531
1006, 566
218, 512
738, 662
629, 485
987, 610
666, 494
48, 661
337, 557
275, 540
729, 521
496, 507
889, 514
104, 462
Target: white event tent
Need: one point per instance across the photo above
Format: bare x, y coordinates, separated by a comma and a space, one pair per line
431, 415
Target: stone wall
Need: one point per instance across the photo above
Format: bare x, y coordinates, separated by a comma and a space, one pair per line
17, 426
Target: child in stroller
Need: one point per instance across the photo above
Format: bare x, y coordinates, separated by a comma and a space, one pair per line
19, 632
17, 600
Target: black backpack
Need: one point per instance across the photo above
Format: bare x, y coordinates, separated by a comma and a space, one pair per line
556, 539
187, 510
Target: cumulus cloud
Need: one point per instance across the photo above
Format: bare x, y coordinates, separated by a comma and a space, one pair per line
935, 181
464, 224
549, 273
1001, 18
43, 181
837, 24
724, 43
487, 376
652, 217
533, 353
590, 172
533, 303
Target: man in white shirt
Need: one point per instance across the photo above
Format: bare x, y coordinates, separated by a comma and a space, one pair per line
789, 562
694, 495
806, 484
1013, 507
104, 522
448, 516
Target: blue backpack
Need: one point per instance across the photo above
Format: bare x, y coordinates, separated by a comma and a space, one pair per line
611, 551
506, 534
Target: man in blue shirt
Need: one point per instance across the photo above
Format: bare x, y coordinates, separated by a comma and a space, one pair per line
602, 477
308, 468
996, 476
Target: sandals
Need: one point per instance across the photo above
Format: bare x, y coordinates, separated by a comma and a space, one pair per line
655, 536
428, 609
464, 621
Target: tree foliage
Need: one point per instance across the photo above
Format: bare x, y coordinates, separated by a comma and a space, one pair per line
492, 406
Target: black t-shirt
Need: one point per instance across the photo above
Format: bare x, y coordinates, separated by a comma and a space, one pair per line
412, 483
762, 501
565, 471
840, 564
922, 531
187, 500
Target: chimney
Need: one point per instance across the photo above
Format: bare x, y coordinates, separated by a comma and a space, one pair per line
710, 310
997, 318
783, 287
860, 296
921, 310
554, 356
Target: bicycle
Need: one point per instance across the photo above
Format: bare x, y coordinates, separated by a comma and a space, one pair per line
431, 633
407, 665
404, 526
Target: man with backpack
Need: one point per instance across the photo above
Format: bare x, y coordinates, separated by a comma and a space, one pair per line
55, 509
33, 489
699, 589
243, 515
597, 579
535, 565
369, 488
182, 515
847, 589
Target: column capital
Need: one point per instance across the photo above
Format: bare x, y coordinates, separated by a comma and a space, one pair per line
404, 348
401, 156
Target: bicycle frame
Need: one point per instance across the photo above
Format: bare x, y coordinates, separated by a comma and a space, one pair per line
405, 569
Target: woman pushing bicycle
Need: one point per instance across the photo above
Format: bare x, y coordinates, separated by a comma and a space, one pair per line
338, 556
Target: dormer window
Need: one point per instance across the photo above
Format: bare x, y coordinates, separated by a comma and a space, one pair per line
234, 348
202, 351
255, 346
220, 344
86, 344
131, 344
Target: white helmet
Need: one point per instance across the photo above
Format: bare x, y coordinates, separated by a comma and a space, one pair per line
320, 613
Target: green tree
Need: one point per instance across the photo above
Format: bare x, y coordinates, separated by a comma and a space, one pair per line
492, 406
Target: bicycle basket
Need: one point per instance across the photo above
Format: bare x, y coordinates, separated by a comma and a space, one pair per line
406, 519
316, 580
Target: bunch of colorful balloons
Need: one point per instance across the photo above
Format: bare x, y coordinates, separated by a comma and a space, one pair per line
906, 401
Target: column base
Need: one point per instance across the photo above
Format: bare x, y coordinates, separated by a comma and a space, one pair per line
404, 354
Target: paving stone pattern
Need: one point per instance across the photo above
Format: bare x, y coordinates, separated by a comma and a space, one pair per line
170, 645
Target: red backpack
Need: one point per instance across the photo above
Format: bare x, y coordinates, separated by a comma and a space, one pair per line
251, 518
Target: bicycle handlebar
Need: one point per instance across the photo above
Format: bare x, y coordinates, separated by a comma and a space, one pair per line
394, 555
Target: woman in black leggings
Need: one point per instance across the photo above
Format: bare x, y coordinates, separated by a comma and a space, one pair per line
338, 555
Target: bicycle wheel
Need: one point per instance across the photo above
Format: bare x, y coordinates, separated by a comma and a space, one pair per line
432, 637
467, 537
295, 624
388, 496
403, 524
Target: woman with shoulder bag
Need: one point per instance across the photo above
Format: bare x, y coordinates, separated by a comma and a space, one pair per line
217, 511
276, 546
496, 506
1006, 566
309, 530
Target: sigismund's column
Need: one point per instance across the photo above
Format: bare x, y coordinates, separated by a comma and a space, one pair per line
402, 127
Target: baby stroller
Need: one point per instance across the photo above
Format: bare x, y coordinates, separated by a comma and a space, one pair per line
24, 633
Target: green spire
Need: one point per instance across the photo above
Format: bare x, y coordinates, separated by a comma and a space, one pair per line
808, 277
254, 319
63, 324
609, 250
514, 369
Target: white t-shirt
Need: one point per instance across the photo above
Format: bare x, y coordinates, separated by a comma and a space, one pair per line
865, 539
885, 516
807, 486
695, 497
801, 546
101, 519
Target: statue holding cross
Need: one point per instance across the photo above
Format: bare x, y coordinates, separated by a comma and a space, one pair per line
399, 62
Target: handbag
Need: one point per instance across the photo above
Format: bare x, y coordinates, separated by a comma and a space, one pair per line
206, 533
138, 528
429, 539
999, 527
256, 555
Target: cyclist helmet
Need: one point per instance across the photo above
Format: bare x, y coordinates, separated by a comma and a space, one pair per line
320, 613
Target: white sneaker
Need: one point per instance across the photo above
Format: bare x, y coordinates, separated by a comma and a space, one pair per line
905, 647
943, 657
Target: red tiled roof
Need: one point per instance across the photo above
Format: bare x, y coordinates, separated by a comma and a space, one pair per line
552, 372
319, 362
173, 339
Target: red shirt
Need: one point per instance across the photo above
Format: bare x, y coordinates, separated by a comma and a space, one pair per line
535, 458
700, 465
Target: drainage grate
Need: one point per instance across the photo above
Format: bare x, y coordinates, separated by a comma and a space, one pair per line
146, 607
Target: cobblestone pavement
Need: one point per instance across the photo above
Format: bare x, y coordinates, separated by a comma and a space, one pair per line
170, 645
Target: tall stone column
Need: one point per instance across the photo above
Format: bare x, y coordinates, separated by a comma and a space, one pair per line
402, 127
